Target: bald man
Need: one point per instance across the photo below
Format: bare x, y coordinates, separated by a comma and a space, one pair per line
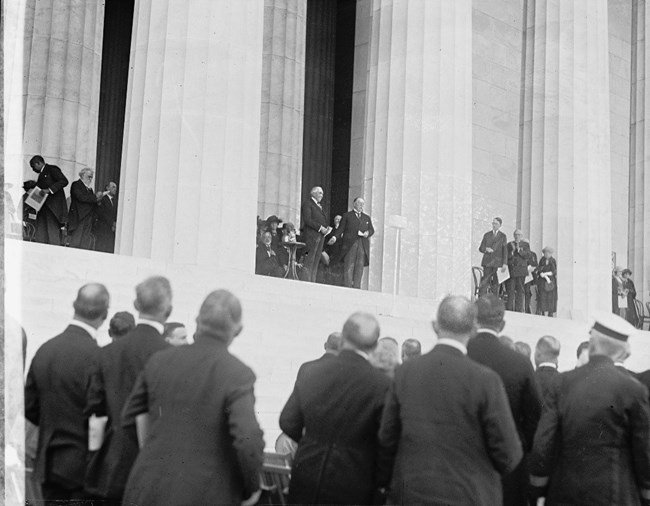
519, 258
113, 377
55, 393
194, 407
314, 229
447, 425
334, 413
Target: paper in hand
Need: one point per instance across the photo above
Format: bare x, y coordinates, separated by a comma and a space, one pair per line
503, 274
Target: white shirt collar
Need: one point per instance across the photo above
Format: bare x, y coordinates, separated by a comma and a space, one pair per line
547, 364
453, 343
156, 325
88, 328
362, 354
316, 202
487, 331
619, 364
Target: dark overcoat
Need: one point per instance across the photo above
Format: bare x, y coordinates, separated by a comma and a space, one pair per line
205, 445
448, 423
593, 440
334, 413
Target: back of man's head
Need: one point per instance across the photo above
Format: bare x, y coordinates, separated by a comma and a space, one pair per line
153, 298
582, 353
455, 319
333, 343
121, 324
490, 311
361, 332
411, 348
219, 317
547, 349
523, 349
91, 304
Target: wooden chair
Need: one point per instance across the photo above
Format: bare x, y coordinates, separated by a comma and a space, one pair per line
477, 274
276, 473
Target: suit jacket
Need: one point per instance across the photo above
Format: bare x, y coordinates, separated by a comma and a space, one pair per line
518, 377
106, 213
348, 233
83, 203
518, 261
55, 393
112, 380
499, 244
448, 423
51, 178
334, 414
593, 440
644, 379
313, 217
546, 376
205, 445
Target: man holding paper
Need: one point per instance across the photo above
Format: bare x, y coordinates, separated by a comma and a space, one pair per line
354, 231
495, 257
314, 229
519, 257
54, 213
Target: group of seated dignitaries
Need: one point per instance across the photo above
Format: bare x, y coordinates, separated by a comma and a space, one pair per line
150, 392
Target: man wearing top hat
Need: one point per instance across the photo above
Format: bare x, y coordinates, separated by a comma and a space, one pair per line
592, 444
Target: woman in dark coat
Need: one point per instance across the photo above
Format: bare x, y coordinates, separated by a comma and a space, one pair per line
547, 283
628, 287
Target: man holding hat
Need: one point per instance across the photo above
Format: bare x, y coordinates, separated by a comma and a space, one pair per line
592, 444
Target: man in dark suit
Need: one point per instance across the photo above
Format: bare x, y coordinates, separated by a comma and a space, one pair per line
519, 258
83, 203
267, 260
433, 463
644, 379
54, 213
334, 414
518, 377
195, 411
547, 351
106, 220
593, 441
113, 377
495, 255
55, 393
314, 229
354, 231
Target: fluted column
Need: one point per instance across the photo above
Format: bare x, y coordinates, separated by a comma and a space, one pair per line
566, 176
319, 97
62, 68
283, 100
191, 141
639, 221
417, 150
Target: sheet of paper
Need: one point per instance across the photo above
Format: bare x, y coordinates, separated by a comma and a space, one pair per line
503, 274
35, 200
96, 426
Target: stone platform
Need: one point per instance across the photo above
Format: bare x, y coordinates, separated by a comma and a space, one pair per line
285, 322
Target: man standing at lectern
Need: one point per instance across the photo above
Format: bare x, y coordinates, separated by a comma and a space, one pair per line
354, 230
314, 229
495, 256
519, 258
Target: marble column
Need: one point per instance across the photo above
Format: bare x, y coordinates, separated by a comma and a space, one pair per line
566, 175
639, 219
283, 100
62, 68
190, 160
416, 157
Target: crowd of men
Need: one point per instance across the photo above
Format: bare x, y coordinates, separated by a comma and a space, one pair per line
87, 221
470, 422
334, 254
512, 270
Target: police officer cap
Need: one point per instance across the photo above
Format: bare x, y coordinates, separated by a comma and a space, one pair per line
611, 325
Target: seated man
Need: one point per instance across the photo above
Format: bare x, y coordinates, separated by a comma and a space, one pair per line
267, 262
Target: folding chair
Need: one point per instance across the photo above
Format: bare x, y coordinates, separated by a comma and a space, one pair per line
276, 473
